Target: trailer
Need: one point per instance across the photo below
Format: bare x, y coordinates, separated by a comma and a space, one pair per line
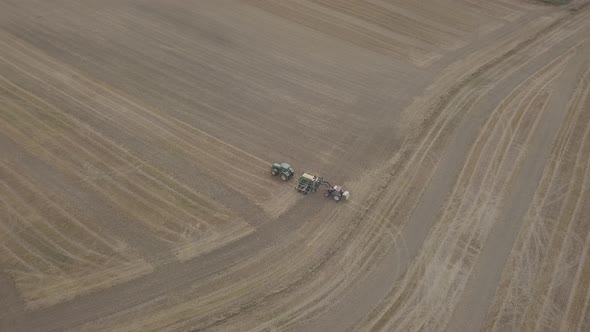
308, 183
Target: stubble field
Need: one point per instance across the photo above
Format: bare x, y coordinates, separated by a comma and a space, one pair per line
136, 139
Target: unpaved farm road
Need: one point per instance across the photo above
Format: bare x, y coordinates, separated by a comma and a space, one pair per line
136, 138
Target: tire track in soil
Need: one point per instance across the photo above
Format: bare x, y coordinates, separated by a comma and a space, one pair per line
417, 279
518, 290
56, 264
511, 52
245, 309
411, 153
479, 292
336, 248
545, 186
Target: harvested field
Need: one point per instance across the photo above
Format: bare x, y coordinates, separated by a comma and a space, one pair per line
136, 139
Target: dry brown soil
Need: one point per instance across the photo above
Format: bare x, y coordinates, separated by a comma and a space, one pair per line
136, 138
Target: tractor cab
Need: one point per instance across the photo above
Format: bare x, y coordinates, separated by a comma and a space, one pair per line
287, 167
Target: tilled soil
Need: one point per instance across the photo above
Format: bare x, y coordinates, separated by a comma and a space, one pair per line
136, 139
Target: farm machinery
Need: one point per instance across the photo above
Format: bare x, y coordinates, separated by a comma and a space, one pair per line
336, 192
308, 183
283, 169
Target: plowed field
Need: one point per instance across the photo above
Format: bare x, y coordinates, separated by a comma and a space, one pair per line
136, 139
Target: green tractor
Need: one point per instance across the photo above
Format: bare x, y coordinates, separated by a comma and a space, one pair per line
284, 170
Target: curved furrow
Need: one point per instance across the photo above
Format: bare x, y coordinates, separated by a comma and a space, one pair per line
31, 222
508, 307
401, 287
506, 72
407, 316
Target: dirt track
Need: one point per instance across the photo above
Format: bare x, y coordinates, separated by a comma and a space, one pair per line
136, 139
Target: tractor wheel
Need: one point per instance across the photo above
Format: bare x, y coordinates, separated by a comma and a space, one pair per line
327, 194
284, 177
274, 171
336, 198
